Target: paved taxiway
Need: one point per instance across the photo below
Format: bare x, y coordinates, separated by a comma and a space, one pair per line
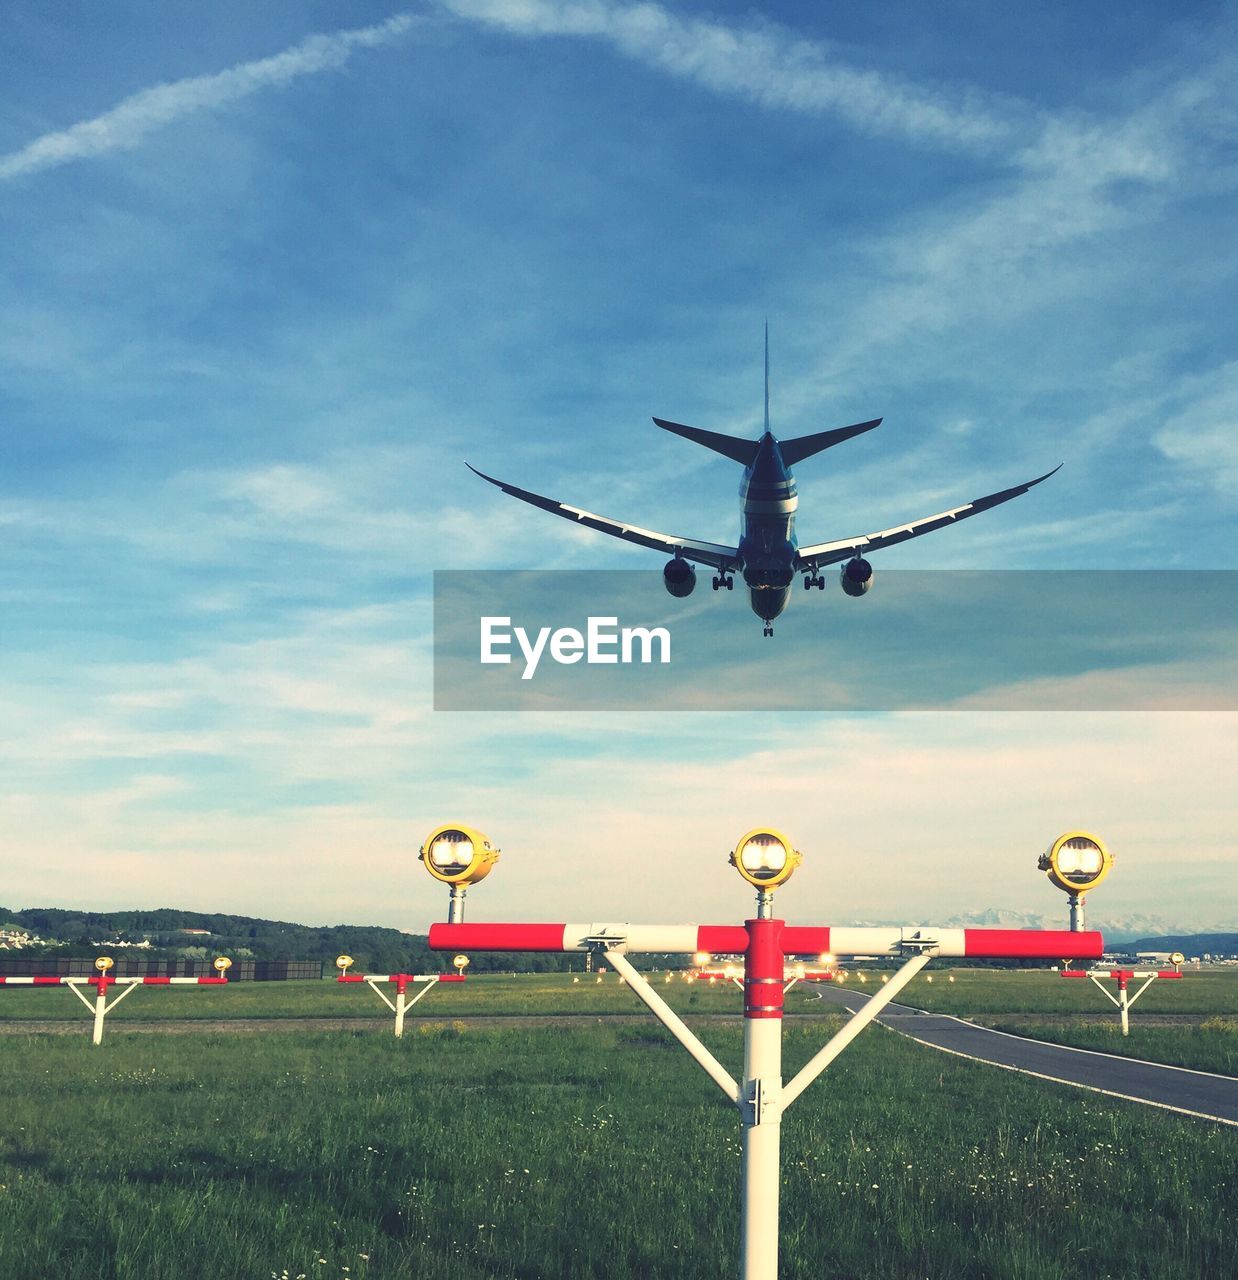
1196, 1093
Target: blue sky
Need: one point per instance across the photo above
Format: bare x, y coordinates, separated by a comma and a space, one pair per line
272, 274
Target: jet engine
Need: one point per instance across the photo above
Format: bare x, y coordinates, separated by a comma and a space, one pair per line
679, 578
856, 576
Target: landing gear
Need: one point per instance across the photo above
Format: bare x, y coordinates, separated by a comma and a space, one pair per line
724, 580
810, 581
769, 628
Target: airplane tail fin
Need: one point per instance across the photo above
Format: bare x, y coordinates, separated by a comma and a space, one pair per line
767, 377
742, 451
802, 447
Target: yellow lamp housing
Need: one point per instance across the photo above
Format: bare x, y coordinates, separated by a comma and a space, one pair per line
461, 962
104, 963
458, 855
342, 962
1177, 958
765, 858
1076, 862
223, 964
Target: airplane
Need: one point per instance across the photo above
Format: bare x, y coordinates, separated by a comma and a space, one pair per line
768, 555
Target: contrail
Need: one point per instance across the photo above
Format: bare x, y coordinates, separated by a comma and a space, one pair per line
126, 124
765, 64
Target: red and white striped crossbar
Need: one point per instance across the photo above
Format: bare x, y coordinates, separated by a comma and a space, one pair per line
793, 940
106, 980
400, 979
1122, 975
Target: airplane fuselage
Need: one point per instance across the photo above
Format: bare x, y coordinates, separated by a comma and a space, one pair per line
767, 543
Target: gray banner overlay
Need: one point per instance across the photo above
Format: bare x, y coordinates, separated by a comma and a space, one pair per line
1002, 640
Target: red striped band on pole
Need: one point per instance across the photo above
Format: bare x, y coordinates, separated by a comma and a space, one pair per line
1011, 944
764, 962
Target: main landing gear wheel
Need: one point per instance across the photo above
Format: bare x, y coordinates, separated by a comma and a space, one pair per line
724, 580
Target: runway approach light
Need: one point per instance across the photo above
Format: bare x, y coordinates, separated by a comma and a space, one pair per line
104, 963
222, 964
461, 962
701, 958
458, 855
765, 858
342, 963
1076, 862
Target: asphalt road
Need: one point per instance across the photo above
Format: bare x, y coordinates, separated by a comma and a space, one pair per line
1194, 1093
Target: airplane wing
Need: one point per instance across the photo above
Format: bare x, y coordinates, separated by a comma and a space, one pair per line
710, 553
825, 553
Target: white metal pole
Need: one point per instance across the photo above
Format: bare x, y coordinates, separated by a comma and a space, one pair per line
399, 1011
100, 1011
762, 1143
1076, 901
1124, 1006
761, 1093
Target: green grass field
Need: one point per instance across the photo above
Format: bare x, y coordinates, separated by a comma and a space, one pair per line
546, 995
1207, 993
1204, 1006
578, 1150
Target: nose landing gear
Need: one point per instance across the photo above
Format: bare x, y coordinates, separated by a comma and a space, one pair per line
769, 628
810, 581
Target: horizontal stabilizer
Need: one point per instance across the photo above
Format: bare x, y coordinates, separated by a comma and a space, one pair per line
742, 451
802, 447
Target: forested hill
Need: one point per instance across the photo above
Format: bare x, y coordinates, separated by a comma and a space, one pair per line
375, 949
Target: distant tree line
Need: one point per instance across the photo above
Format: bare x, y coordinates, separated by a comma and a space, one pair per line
375, 949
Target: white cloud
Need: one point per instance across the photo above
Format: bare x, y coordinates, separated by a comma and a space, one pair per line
126, 124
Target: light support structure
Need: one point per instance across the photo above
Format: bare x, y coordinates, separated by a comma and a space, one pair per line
1076, 862
1123, 1000
765, 943
101, 1006
401, 1004
458, 856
